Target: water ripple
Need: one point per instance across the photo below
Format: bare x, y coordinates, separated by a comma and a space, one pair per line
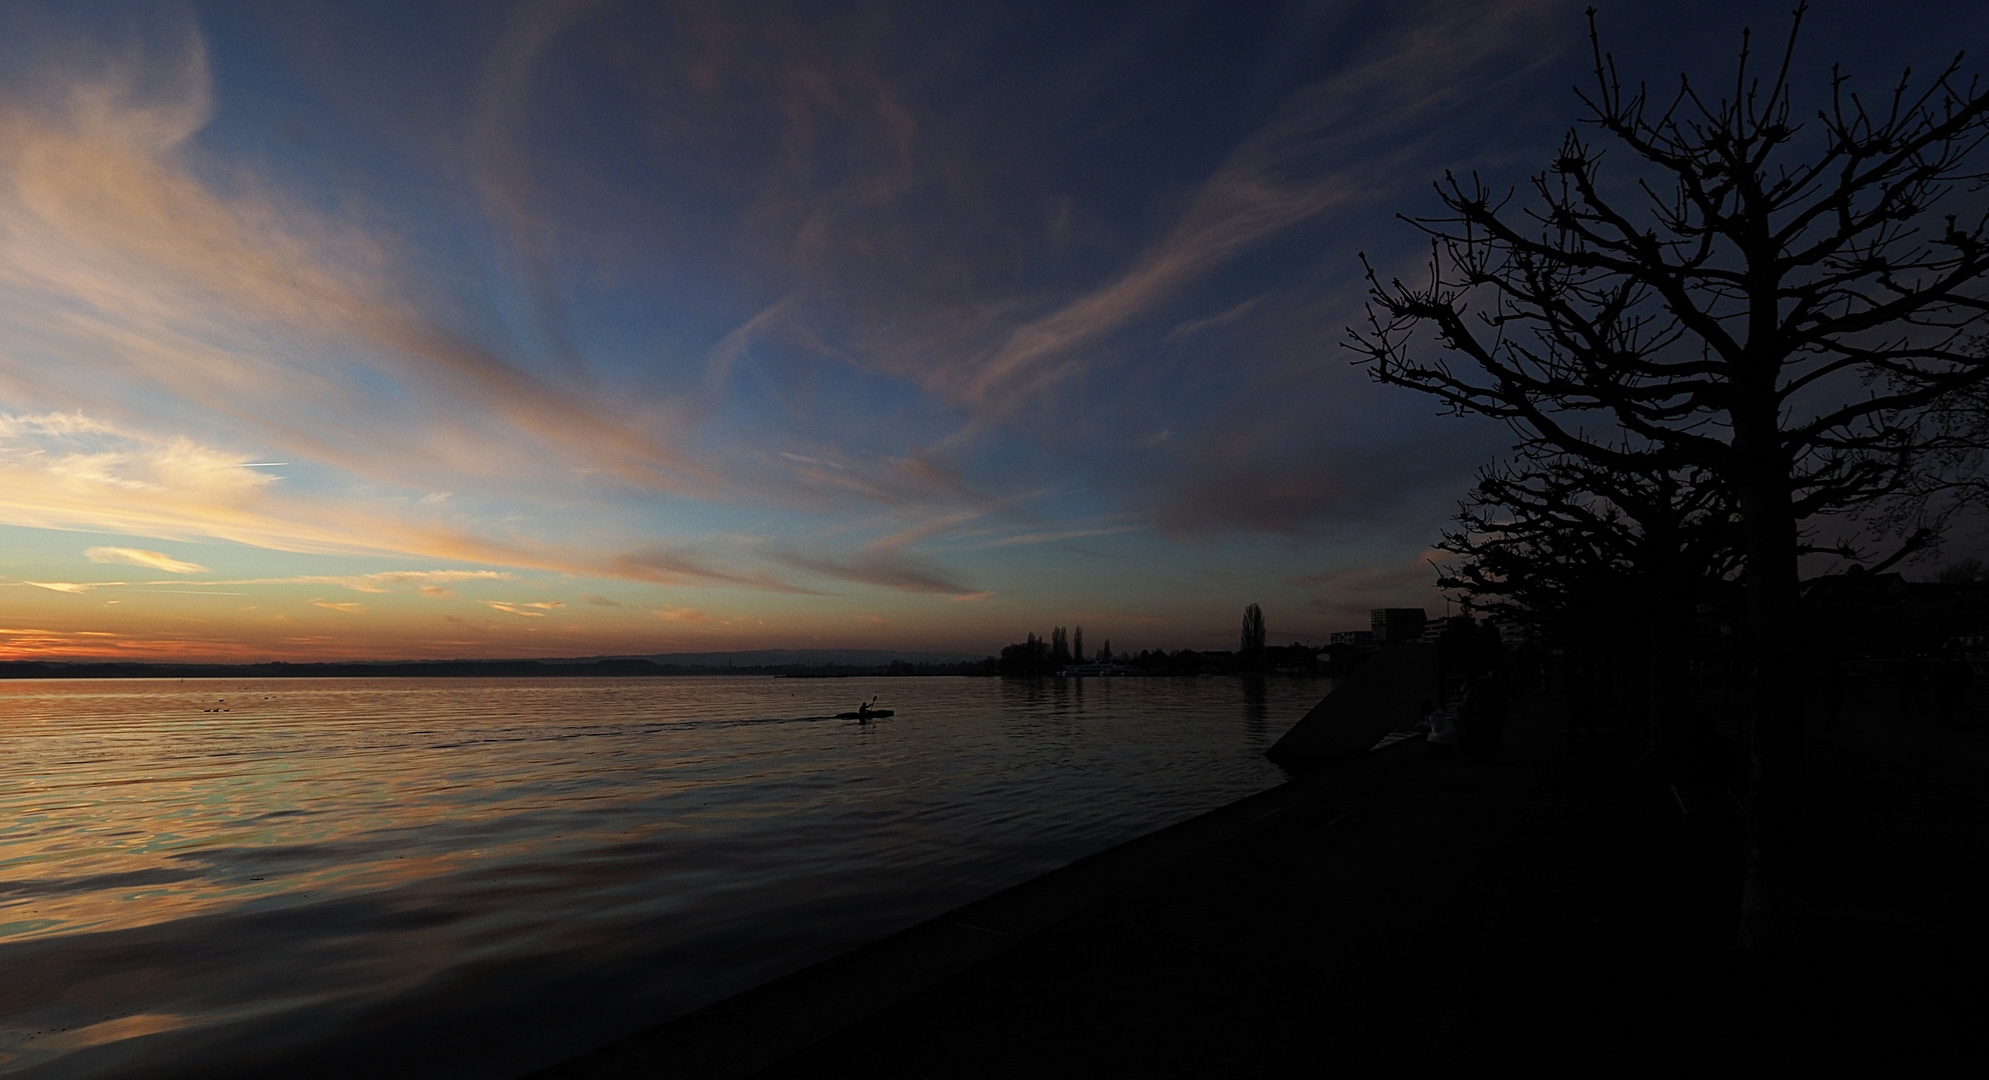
478, 877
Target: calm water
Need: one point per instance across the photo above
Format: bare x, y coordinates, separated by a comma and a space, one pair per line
479, 877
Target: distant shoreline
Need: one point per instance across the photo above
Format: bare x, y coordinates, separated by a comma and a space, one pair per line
21, 670
456, 669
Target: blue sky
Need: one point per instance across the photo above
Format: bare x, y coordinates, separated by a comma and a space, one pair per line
564, 328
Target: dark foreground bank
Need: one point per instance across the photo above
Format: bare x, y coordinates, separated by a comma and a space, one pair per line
1550, 910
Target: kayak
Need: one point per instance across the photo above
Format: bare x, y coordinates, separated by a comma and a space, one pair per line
871, 715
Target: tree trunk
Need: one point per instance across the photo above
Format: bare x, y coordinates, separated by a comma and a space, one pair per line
1668, 610
1771, 913
1668, 699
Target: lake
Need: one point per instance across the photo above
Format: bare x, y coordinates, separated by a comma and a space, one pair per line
479, 877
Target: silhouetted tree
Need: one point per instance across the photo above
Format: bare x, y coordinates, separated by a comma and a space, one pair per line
1953, 477
1105, 652
1025, 657
1599, 560
1962, 572
1077, 644
1031, 657
1251, 649
1730, 300
1059, 648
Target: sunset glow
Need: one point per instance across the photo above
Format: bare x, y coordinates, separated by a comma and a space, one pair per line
571, 328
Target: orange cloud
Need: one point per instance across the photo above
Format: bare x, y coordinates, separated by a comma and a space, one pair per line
22, 643
135, 285
71, 471
122, 260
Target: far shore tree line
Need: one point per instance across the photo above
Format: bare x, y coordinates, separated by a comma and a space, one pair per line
1064, 650
1741, 338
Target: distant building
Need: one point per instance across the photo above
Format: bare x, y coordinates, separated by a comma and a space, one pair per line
1397, 623
1359, 639
1884, 615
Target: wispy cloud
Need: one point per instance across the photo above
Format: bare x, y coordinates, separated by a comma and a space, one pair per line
1061, 534
155, 560
797, 247
1334, 144
26, 642
532, 610
1222, 318
727, 353
893, 569
803, 459
71, 471
376, 582
347, 607
67, 470
127, 276
499, 161
678, 566
71, 586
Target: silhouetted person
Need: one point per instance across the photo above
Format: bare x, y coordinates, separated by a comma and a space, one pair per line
1834, 680
863, 711
1951, 681
1443, 730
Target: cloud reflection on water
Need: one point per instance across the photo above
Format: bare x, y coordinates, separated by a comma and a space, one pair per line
336, 865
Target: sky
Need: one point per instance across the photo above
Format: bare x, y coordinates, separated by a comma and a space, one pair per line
349, 330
